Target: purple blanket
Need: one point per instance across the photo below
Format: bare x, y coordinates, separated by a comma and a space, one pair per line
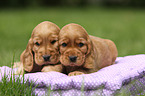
110, 78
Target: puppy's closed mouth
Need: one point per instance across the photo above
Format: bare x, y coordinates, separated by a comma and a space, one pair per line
73, 64
48, 63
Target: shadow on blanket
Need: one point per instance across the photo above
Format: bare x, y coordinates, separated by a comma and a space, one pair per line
112, 78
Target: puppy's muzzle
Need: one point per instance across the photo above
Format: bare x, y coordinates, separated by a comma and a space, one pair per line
73, 58
46, 57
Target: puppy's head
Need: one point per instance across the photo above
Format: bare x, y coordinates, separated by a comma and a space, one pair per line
74, 45
42, 47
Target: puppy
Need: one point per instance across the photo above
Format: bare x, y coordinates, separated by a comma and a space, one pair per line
81, 53
41, 53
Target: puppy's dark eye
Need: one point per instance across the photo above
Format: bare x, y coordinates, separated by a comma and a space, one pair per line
52, 42
80, 44
37, 44
64, 44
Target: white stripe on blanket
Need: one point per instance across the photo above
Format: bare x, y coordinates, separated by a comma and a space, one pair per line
112, 78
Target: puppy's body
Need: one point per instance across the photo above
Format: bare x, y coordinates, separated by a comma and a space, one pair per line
104, 51
41, 53
103, 54
81, 53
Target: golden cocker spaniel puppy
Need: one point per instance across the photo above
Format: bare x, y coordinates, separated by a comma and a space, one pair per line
41, 53
81, 53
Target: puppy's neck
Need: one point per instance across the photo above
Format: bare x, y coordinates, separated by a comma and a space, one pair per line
68, 69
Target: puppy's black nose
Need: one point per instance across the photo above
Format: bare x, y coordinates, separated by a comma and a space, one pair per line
73, 58
46, 57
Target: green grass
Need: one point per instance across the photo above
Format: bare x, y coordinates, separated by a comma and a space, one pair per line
126, 27
15, 86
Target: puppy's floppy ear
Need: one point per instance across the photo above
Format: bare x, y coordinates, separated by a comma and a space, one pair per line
89, 63
27, 57
89, 45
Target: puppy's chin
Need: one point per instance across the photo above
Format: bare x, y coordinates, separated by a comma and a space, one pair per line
71, 64
46, 62
67, 62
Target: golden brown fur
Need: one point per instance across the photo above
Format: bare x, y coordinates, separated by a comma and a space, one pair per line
81, 53
41, 53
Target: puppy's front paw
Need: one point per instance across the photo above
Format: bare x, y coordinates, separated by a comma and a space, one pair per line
75, 73
57, 68
47, 69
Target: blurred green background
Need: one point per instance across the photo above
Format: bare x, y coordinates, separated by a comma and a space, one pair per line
122, 21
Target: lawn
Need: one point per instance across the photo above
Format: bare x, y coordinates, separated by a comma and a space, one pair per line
124, 26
